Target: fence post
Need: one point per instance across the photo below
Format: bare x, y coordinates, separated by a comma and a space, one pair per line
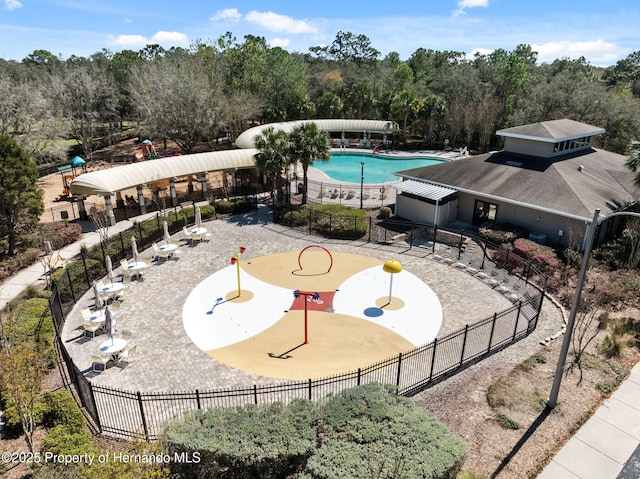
411, 234
464, 344
198, 399
330, 223
359, 375
122, 244
515, 328
310, 389
435, 235
370, 226
93, 401
86, 271
398, 374
311, 218
460, 244
493, 328
255, 394
158, 219
433, 359
73, 295
144, 419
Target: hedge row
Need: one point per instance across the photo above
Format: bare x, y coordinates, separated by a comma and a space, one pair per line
362, 432
332, 221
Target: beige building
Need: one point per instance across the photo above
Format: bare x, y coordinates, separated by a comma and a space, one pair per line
548, 178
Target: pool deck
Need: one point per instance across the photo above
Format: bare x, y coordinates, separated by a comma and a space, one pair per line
323, 189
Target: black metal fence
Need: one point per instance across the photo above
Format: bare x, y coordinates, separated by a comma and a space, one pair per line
144, 414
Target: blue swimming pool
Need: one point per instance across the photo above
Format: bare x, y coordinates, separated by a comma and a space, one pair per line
377, 168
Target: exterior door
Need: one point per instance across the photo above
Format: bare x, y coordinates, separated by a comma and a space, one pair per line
484, 211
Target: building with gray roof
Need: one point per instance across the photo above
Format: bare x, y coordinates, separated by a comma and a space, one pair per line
548, 179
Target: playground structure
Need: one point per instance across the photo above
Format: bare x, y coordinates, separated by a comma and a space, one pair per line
147, 151
69, 173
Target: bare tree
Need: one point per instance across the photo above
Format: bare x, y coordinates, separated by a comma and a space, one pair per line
22, 371
585, 330
101, 223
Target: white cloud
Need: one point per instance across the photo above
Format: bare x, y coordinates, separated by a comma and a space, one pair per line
170, 38
12, 4
127, 20
478, 51
472, 3
228, 14
597, 52
280, 42
166, 39
280, 23
129, 41
464, 4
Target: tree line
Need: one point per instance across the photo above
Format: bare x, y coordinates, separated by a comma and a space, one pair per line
218, 88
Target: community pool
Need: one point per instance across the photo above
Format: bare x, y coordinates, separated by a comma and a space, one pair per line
378, 168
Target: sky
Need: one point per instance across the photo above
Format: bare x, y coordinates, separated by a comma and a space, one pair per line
602, 31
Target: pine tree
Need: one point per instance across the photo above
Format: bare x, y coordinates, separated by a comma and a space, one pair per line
21, 201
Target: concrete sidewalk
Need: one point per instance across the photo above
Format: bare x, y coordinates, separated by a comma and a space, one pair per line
35, 274
607, 446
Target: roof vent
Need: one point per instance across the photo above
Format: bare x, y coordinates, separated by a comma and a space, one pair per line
580, 168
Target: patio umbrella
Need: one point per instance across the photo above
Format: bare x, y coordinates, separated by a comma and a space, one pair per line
134, 248
198, 217
97, 302
109, 266
165, 226
109, 323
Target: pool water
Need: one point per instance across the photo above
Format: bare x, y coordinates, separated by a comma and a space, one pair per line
377, 168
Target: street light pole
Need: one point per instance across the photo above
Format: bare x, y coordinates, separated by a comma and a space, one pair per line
361, 181
557, 379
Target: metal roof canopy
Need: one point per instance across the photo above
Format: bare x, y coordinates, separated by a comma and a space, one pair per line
246, 138
424, 189
134, 174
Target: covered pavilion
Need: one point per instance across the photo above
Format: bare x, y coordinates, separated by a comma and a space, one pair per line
111, 182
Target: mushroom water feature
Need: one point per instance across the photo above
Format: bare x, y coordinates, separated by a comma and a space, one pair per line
392, 267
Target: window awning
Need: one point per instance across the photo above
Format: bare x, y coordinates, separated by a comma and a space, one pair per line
424, 189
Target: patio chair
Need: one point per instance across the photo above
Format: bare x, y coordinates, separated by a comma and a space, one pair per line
126, 353
86, 313
124, 263
186, 233
207, 237
97, 359
126, 281
196, 237
91, 327
465, 260
126, 334
176, 254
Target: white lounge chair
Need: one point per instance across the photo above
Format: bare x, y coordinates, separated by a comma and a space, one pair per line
97, 359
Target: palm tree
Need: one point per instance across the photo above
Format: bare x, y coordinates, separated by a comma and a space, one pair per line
308, 144
633, 162
273, 157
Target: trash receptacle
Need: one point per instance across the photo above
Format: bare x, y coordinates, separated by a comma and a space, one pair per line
300, 188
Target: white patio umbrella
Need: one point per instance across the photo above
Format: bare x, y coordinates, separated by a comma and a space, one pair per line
165, 226
109, 323
198, 217
97, 301
134, 248
109, 266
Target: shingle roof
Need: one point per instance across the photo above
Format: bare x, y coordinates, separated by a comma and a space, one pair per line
557, 184
553, 130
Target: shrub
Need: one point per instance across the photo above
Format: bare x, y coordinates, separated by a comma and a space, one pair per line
506, 422
385, 212
234, 206
30, 324
618, 288
369, 433
531, 362
62, 410
492, 400
60, 440
544, 257
266, 441
10, 265
501, 233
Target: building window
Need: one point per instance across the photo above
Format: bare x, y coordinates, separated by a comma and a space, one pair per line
483, 212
